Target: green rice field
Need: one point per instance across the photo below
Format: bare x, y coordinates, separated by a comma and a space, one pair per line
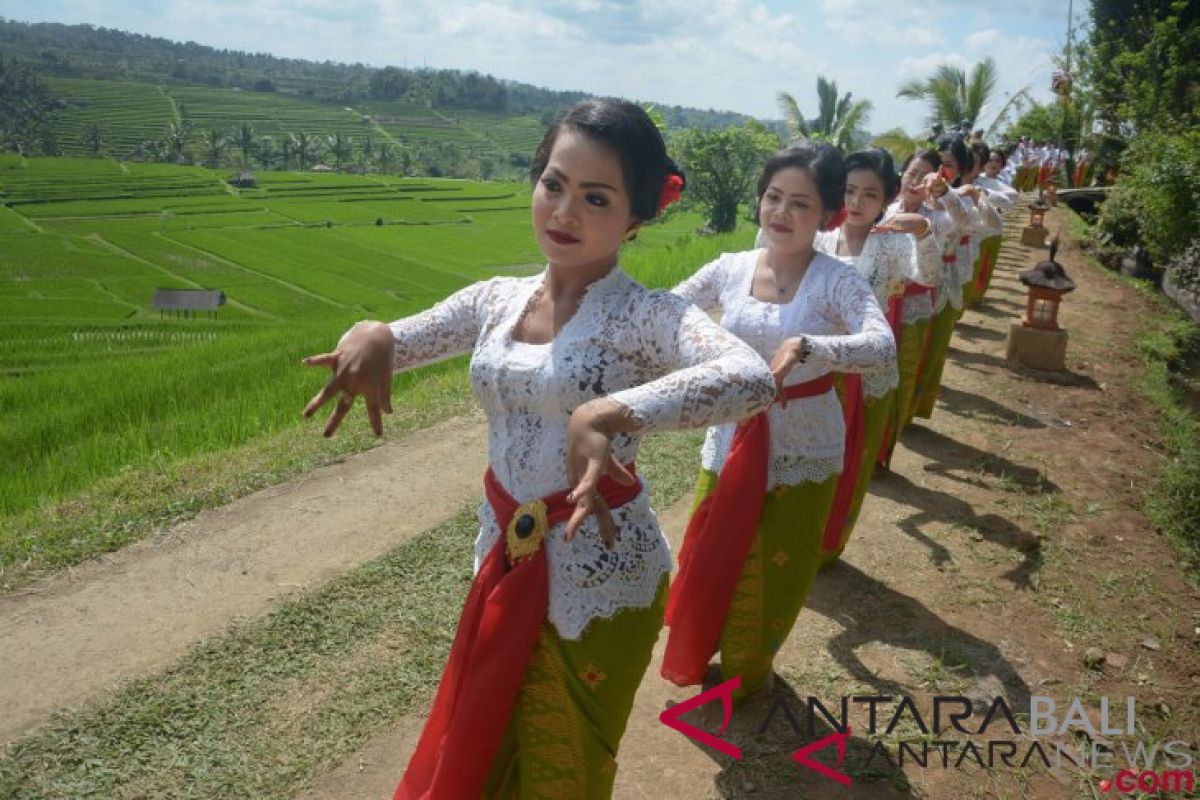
94, 384
128, 113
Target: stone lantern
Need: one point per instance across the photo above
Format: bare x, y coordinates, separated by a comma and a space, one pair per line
1052, 193
1037, 341
1034, 234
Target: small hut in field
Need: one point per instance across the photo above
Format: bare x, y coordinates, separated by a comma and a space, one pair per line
187, 302
244, 180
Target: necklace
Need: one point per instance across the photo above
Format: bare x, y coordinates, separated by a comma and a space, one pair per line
785, 289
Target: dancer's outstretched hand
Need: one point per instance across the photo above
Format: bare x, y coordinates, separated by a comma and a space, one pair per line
361, 365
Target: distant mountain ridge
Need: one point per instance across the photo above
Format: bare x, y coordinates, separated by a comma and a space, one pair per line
89, 52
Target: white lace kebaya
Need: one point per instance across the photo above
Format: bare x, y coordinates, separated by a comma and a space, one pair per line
836, 311
886, 262
946, 222
665, 360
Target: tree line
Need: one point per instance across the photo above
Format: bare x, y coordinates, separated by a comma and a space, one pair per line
88, 51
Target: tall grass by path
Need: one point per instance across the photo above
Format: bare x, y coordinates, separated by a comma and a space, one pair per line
264, 710
1168, 346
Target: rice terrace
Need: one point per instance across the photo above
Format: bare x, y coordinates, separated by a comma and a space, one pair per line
106, 385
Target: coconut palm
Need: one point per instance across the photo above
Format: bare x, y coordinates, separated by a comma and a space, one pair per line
267, 154
838, 118
340, 146
954, 96
306, 149
93, 139
897, 142
287, 150
215, 145
384, 156
175, 141
245, 137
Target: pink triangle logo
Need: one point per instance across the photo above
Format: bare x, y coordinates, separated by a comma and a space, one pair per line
801, 756
671, 717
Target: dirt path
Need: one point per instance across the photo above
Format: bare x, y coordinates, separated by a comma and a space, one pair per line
1005, 543
137, 610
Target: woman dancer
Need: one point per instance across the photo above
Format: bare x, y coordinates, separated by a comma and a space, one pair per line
887, 255
922, 191
1001, 196
956, 262
752, 546
572, 367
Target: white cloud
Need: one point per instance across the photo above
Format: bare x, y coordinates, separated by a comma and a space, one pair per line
981, 39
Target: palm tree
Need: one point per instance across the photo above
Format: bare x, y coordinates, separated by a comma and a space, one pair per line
267, 152
306, 148
287, 150
898, 143
384, 155
340, 145
215, 144
954, 96
367, 151
837, 121
245, 142
175, 141
93, 139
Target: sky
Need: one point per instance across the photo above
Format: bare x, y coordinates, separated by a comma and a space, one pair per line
733, 55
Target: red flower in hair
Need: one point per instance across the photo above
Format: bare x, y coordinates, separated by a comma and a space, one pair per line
672, 188
835, 221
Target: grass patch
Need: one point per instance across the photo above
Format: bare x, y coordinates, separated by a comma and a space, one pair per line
1168, 346
165, 491
262, 710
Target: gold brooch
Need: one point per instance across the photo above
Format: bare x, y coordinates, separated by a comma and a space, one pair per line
526, 530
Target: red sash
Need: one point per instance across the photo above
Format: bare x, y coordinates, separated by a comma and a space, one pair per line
884, 456
719, 536
498, 630
853, 411
985, 270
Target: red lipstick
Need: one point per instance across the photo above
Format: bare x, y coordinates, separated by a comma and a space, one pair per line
559, 237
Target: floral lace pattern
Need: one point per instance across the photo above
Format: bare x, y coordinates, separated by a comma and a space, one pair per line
947, 223
665, 360
915, 308
888, 261
837, 312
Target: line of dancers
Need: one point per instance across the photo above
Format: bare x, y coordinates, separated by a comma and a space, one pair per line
833, 333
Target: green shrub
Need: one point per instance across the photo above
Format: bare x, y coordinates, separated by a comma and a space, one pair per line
1157, 199
1119, 224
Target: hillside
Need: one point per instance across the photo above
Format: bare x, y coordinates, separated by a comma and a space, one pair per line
132, 87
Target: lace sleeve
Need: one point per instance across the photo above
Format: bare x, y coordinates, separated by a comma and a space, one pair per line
869, 343
998, 199
712, 376
926, 264
991, 205
704, 287
448, 329
952, 217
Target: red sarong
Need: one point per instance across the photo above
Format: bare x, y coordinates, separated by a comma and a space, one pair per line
718, 537
498, 630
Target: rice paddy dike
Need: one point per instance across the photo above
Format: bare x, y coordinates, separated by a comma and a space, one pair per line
121, 419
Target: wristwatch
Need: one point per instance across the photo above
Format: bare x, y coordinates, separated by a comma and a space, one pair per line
805, 350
